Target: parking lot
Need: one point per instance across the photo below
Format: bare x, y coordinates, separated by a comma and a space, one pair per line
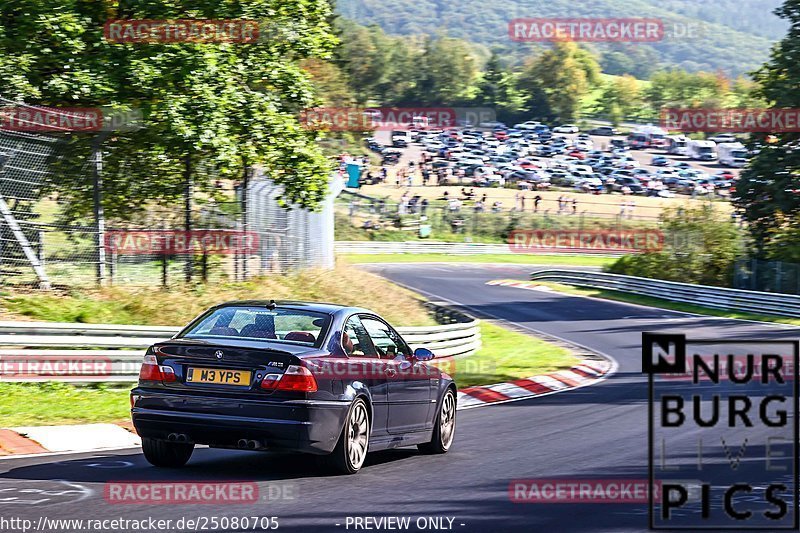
561, 182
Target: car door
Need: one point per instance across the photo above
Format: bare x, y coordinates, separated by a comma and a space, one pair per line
409, 381
365, 366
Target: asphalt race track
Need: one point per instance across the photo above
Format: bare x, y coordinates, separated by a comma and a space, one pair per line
596, 432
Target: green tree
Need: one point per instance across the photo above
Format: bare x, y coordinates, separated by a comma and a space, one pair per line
621, 98
563, 76
700, 246
215, 106
498, 90
446, 73
768, 191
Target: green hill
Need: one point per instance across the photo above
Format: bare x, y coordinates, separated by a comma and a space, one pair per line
733, 36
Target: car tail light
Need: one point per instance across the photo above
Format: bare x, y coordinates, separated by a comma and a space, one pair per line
152, 371
296, 378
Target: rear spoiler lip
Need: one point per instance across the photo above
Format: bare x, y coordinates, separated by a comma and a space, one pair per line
274, 347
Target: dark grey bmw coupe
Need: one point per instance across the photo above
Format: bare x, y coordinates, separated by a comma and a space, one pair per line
317, 378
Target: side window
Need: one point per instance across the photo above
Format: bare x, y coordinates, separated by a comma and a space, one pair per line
356, 341
386, 340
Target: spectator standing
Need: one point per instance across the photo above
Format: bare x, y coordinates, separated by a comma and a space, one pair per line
402, 207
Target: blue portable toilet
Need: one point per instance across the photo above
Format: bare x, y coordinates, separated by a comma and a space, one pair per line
353, 174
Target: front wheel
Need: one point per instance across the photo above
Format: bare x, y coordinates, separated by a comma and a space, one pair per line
166, 454
351, 449
444, 430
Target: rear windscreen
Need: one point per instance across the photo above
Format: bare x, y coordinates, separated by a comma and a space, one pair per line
258, 323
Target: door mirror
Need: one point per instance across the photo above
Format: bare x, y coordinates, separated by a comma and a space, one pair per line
423, 354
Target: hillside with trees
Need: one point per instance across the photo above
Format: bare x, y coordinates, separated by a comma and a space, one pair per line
731, 37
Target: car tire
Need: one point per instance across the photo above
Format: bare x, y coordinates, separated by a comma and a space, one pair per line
166, 454
351, 448
444, 429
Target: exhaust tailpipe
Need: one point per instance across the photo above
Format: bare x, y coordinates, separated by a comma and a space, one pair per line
252, 444
172, 437
242, 443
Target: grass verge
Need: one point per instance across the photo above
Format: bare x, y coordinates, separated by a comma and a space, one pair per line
664, 304
50, 403
345, 285
507, 355
574, 260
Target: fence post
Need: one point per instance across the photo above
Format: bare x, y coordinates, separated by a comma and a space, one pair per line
188, 193
245, 225
99, 215
41, 248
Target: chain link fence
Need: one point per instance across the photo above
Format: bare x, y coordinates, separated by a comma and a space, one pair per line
239, 229
767, 276
367, 217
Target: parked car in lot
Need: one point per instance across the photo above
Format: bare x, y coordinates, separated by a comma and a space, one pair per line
723, 138
527, 125
566, 128
632, 183
536, 177
604, 130
323, 379
660, 161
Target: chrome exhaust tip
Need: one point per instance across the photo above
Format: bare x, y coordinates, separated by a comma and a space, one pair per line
242, 443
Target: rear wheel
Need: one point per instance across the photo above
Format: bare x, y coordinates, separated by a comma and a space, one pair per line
351, 449
166, 454
444, 430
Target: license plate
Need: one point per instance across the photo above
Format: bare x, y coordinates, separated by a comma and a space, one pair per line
219, 376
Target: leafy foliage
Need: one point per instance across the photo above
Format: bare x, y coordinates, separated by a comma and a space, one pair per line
768, 192
700, 247
216, 106
727, 35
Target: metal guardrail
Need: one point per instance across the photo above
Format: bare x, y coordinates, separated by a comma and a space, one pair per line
762, 303
90, 353
451, 248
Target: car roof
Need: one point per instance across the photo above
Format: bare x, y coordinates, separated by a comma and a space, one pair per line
320, 307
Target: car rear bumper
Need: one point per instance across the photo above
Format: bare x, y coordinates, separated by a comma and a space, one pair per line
310, 426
